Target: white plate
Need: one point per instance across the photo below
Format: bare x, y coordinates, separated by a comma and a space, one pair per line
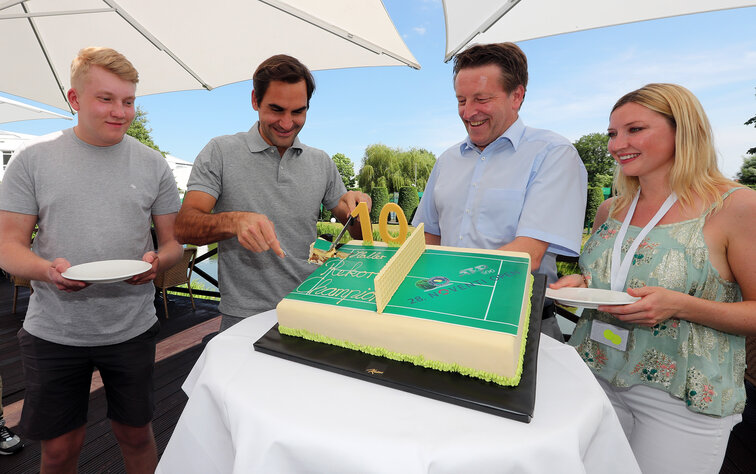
106, 271
589, 297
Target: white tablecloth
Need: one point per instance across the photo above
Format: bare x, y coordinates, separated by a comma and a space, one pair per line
252, 412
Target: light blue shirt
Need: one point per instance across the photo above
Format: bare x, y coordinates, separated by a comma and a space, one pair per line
528, 182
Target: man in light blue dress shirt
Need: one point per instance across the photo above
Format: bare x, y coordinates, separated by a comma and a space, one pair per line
506, 186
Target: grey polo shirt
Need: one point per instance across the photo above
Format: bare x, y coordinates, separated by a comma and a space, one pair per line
92, 203
244, 173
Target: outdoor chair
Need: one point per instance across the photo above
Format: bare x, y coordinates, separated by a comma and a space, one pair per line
561, 310
19, 282
178, 274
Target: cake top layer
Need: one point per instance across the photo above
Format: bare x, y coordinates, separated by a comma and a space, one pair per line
480, 289
322, 244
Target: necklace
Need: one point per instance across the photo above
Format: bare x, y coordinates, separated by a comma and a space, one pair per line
621, 266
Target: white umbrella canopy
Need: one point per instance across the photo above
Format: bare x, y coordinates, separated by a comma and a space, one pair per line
14, 111
493, 21
184, 44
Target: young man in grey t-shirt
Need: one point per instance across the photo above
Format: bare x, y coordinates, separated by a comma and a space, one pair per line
93, 192
258, 194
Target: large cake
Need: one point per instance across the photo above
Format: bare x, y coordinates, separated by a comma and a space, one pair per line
462, 310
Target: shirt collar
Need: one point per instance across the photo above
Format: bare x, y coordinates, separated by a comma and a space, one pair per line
257, 143
512, 135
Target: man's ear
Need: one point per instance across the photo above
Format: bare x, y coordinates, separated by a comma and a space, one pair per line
73, 99
518, 95
255, 105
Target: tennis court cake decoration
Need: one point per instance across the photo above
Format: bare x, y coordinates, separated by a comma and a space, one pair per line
445, 308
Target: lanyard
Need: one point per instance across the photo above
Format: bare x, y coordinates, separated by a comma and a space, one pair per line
620, 270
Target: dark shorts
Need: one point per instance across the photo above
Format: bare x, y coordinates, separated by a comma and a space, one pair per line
58, 378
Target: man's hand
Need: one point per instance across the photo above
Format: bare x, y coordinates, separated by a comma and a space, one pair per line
152, 258
257, 233
570, 281
348, 201
351, 199
58, 266
197, 224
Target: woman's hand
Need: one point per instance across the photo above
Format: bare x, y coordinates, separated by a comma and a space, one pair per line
655, 306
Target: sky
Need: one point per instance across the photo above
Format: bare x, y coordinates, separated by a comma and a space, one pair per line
574, 81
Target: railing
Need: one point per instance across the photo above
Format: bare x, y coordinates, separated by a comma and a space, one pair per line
202, 274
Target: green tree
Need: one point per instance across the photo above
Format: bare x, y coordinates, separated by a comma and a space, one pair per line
397, 181
747, 173
139, 130
365, 178
346, 169
416, 165
395, 168
751, 121
592, 149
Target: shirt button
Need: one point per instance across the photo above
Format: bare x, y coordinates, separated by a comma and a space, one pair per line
467, 211
460, 237
483, 158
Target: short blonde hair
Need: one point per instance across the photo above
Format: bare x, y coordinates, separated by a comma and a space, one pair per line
106, 58
694, 171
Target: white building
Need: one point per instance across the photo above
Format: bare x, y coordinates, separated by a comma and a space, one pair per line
181, 171
11, 141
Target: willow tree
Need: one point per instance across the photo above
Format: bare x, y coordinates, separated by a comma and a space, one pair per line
395, 168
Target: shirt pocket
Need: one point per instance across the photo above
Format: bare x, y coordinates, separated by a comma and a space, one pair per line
499, 212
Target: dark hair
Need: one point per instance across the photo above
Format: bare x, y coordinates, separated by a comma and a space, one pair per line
508, 56
281, 68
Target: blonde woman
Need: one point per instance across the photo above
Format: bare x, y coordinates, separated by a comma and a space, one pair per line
682, 238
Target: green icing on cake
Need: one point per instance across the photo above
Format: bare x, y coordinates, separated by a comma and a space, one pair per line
322, 244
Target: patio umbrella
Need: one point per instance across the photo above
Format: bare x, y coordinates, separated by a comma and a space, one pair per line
519, 20
185, 44
14, 111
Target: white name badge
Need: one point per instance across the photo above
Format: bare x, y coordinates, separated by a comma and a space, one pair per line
610, 335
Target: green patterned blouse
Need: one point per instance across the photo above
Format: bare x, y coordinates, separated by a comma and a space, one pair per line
695, 363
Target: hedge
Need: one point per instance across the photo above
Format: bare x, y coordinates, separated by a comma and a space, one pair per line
325, 214
379, 195
595, 198
408, 200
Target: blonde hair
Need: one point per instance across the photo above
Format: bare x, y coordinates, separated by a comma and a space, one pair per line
694, 171
106, 58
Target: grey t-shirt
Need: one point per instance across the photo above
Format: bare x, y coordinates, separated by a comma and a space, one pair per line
244, 173
93, 203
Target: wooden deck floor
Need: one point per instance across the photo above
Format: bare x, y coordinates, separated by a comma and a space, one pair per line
180, 342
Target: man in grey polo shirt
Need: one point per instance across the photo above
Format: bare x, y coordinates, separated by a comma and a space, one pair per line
258, 194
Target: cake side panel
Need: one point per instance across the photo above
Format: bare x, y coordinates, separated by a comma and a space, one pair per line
522, 333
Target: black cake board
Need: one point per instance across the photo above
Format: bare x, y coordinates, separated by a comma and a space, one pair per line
516, 403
